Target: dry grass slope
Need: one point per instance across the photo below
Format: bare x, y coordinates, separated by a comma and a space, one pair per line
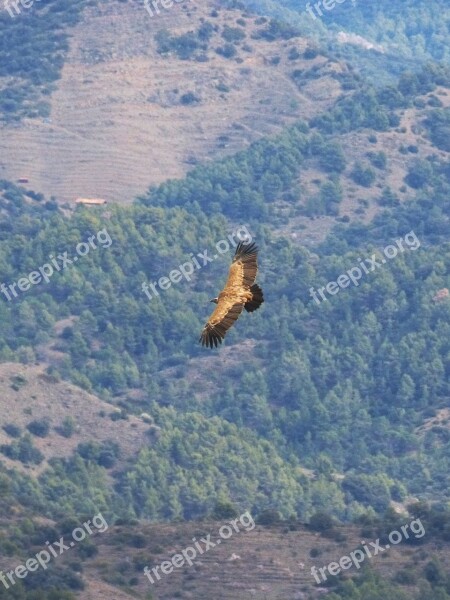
39, 397
265, 563
117, 124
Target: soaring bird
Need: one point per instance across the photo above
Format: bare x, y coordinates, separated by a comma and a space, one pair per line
240, 292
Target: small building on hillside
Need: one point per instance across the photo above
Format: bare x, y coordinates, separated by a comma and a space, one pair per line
23, 180
90, 201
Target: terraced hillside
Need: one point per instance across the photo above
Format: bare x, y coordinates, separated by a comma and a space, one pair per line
263, 562
121, 120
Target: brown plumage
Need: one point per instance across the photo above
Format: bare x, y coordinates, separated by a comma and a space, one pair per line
240, 292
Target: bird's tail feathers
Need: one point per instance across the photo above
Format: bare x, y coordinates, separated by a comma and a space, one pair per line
257, 298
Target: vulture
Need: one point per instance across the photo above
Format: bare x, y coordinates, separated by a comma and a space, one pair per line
240, 292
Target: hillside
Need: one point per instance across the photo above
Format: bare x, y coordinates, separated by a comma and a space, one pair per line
30, 395
381, 39
324, 416
117, 120
266, 562
271, 561
398, 149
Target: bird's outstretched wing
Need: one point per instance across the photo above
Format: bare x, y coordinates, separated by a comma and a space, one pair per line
243, 269
234, 295
225, 314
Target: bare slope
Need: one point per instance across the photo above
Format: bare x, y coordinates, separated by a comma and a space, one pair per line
274, 563
117, 124
29, 394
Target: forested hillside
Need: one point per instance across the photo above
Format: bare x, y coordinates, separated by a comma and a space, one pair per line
350, 381
325, 414
405, 34
32, 52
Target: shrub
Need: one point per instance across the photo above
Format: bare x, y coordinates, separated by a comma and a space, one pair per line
205, 31
39, 427
406, 577
232, 34
277, 30
189, 98
224, 510
185, 45
68, 427
363, 175
332, 158
394, 121
29, 453
419, 174
140, 560
118, 414
434, 101
68, 524
321, 521
438, 123
378, 159
154, 431
18, 381
106, 458
147, 418
23, 450
310, 52
227, 51
433, 572
137, 540
67, 333
330, 197
9, 450
269, 517
12, 430
104, 454
87, 549
370, 490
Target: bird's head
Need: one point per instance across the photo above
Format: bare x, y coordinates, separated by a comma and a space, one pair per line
215, 300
